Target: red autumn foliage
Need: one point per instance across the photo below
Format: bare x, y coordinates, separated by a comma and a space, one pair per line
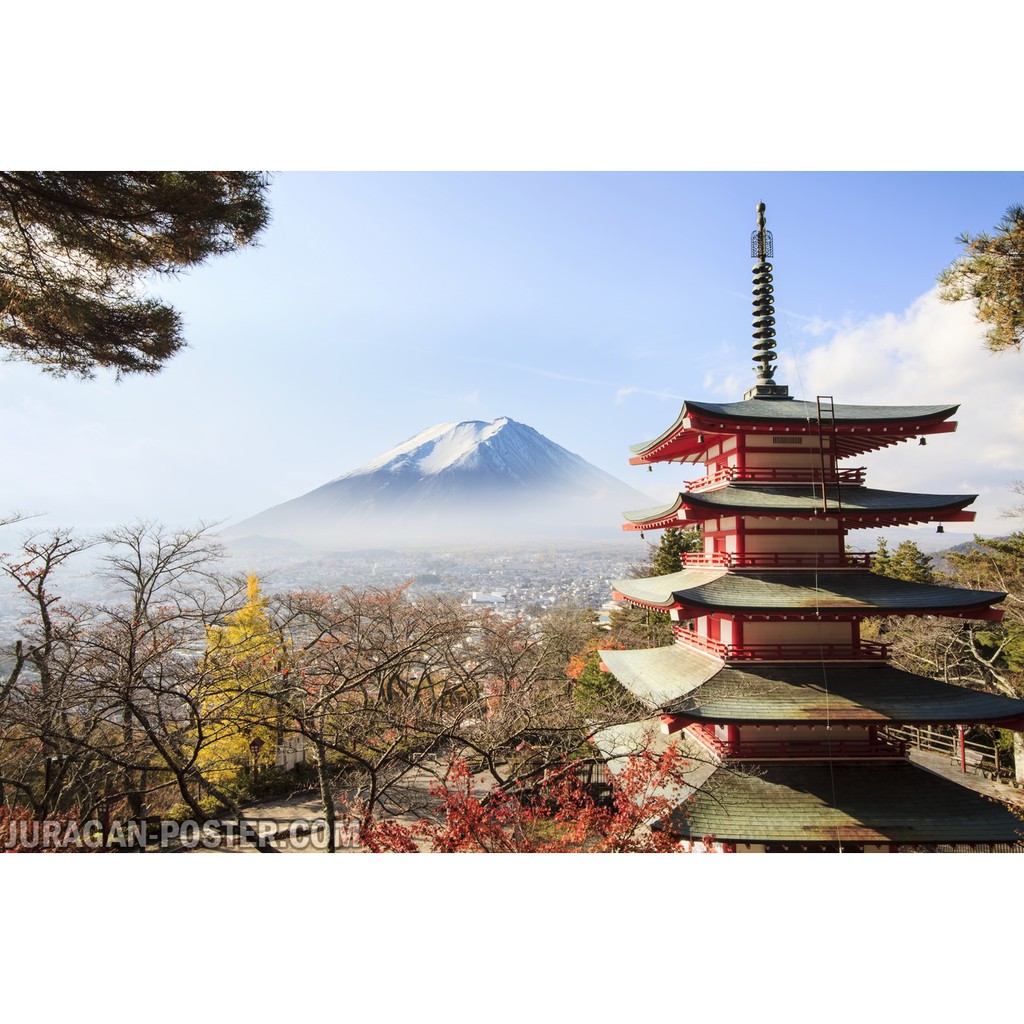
579, 661
559, 815
58, 834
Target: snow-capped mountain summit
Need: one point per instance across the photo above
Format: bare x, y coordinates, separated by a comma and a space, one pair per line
504, 450
472, 482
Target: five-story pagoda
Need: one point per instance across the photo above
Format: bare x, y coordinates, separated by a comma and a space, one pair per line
769, 686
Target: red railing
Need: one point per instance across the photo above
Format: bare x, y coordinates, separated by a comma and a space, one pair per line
765, 750
864, 650
778, 560
773, 475
688, 638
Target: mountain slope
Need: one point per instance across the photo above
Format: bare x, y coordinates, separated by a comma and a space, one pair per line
471, 482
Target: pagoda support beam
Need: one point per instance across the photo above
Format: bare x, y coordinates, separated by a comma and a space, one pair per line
671, 724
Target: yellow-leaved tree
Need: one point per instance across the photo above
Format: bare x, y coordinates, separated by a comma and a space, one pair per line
240, 713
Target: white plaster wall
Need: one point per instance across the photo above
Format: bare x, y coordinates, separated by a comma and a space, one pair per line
785, 458
783, 525
798, 632
790, 543
818, 733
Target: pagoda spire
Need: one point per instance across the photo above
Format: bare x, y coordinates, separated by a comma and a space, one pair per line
764, 314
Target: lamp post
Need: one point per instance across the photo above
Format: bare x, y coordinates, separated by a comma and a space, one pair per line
50, 768
255, 747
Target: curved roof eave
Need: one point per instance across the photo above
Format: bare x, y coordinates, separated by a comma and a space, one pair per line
722, 417
676, 680
769, 410
801, 591
799, 500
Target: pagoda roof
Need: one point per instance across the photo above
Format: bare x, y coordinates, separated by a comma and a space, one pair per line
856, 505
814, 803
822, 803
859, 428
678, 680
773, 410
803, 591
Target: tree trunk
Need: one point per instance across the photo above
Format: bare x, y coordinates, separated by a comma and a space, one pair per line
326, 796
131, 781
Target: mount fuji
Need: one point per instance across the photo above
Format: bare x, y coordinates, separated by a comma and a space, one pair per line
456, 483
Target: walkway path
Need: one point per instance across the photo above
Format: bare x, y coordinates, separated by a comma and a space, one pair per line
940, 764
411, 793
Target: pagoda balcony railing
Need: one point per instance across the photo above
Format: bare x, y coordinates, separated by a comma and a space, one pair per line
768, 750
786, 749
863, 650
778, 560
775, 475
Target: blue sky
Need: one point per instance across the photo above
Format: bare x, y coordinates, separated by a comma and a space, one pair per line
584, 304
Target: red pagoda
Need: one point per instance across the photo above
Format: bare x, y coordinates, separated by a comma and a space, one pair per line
769, 688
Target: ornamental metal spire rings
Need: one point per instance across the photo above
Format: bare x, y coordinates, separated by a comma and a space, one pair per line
764, 311
764, 314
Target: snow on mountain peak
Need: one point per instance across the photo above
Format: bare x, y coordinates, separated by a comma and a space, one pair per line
405, 449
437, 448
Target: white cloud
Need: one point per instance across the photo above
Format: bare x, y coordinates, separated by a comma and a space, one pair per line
931, 354
816, 326
727, 387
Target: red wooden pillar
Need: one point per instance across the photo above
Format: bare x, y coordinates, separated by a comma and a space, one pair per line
732, 738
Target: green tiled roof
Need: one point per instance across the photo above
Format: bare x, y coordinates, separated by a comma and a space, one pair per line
662, 675
752, 499
677, 680
798, 409
772, 410
817, 803
799, 590
643, 515
659, 589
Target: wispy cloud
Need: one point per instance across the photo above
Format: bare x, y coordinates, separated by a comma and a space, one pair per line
551, 375
814, 325
620, 393
623, 393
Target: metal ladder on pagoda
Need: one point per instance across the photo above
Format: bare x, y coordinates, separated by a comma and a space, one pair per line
828, 432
